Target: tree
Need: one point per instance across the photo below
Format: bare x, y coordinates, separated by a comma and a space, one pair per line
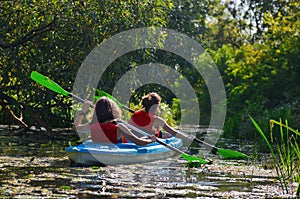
261, 78
53, 37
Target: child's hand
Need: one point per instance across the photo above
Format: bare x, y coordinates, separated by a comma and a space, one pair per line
166, 135
86, 106
190, 138
153, 138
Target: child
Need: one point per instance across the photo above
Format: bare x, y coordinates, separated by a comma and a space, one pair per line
103, 127
147, 119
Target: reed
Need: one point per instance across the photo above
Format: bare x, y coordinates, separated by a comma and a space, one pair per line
285, 152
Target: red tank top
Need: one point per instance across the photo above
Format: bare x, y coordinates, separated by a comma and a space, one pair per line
107, 133
145, 120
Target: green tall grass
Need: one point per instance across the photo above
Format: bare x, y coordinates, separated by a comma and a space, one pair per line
285, 152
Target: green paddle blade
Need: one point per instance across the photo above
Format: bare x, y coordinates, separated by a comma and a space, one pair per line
194, 159
101, 93
48, 83
230, 154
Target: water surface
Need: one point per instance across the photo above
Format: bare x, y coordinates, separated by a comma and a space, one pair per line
36, 166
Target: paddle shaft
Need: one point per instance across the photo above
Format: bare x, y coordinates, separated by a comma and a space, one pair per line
82, 100
214, 149
223, 152
76, 97
202, 142
132, 111
128, 109
146, 134
103, 93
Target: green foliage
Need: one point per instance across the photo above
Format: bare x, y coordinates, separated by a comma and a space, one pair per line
287, 147
175, 109
53, 37
260, 76
256, 51
231, 127
279, 171
284, 150
166, 113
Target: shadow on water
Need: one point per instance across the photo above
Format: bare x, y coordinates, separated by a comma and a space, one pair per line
37, 167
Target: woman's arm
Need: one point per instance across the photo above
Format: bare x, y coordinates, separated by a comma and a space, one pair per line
123, 130
174, 132
78, 121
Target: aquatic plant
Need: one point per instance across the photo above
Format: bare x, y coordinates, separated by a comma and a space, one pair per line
285, 152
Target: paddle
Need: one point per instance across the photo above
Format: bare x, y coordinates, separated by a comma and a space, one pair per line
102, 93
183, 154
225, 153
48, 83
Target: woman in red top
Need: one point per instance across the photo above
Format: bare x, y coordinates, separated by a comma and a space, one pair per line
103, 127
147, 119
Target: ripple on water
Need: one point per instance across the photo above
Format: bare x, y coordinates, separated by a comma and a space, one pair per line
47, 173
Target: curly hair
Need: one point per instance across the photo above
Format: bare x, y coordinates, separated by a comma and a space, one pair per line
149, 100
106, 110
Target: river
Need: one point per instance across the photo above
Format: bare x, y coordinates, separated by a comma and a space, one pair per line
36, 166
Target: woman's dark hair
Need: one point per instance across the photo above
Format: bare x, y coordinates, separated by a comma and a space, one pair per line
106, 110
149, 100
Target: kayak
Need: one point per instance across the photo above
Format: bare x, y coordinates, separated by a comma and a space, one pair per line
91, 153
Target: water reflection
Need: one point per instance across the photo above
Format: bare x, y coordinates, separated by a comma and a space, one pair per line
30, 169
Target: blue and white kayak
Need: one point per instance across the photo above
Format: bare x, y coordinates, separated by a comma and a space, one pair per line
91, 153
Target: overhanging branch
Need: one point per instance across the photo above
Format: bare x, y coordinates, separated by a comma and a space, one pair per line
31, 34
